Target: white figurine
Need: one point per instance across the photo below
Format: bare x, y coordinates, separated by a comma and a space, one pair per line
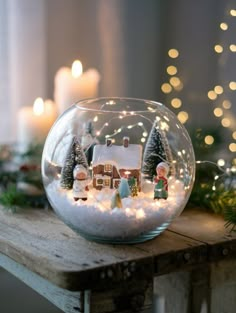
80, 184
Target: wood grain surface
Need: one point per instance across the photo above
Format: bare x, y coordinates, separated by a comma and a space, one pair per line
38, 240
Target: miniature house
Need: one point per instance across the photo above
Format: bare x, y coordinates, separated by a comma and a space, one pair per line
112, 162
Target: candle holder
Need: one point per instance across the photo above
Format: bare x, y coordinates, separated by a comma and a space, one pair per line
118, 170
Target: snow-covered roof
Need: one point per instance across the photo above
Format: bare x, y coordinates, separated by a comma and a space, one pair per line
125, 158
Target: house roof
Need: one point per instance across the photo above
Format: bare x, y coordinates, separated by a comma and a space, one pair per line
123, 158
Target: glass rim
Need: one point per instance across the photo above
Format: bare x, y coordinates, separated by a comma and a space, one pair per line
85, 105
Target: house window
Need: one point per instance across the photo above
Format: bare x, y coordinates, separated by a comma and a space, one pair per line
99, 182
107, 182
116, 183
107, 168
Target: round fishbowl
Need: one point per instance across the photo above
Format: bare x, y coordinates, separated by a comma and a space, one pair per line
118, 170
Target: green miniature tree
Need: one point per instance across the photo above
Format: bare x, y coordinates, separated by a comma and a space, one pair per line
154, 153
75, 155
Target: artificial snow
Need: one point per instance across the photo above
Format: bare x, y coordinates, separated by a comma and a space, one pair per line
138, 215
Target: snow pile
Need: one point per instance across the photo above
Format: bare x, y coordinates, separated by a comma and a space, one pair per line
138, 215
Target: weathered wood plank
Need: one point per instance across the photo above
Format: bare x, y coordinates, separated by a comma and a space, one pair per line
38, 240
208, 228
136, 296
45, 245
175, 253
41, 242
223, 286
68, 302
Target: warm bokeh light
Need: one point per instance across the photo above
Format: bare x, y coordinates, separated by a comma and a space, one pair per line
173, 53
232, 147
179, 87
212, 95
218, 90
232, 48
223, 26
76, 69
226, 122
166, 88
218, 49
226, 104
232, 12
171, 70
218, 112
234, 135
38, 106
182, 117
221, 162
232, 85
176, 103
175, 81
209, 140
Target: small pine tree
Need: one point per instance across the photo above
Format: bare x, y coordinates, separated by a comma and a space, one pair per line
123, 188
75, 155
154, 153
168, 153
80, 157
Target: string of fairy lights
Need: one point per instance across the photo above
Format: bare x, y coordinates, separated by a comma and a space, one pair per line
219, 94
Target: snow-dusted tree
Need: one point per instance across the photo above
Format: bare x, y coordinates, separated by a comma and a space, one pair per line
154, 153
80, 157
124, 189
169, 156
75, 155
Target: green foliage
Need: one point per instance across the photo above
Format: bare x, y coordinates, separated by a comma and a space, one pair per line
21, 167
12, 199
217, 195
202, 150
230, 216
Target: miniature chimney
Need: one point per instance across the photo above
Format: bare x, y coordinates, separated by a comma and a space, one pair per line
108, 142
126, 142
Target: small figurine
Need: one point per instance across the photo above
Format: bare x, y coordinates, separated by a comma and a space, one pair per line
161, 182
116, 200
80, 184
124, 189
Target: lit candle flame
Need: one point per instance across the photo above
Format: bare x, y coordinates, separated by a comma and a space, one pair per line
76, 69
38, 107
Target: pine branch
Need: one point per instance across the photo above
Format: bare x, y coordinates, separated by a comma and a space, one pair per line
12, 199
230, 217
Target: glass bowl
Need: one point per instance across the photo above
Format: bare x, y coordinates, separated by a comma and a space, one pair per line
118, 170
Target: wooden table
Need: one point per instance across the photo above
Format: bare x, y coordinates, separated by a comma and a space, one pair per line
82, 276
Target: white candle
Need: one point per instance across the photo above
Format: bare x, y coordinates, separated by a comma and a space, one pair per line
71, 85
34, 122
